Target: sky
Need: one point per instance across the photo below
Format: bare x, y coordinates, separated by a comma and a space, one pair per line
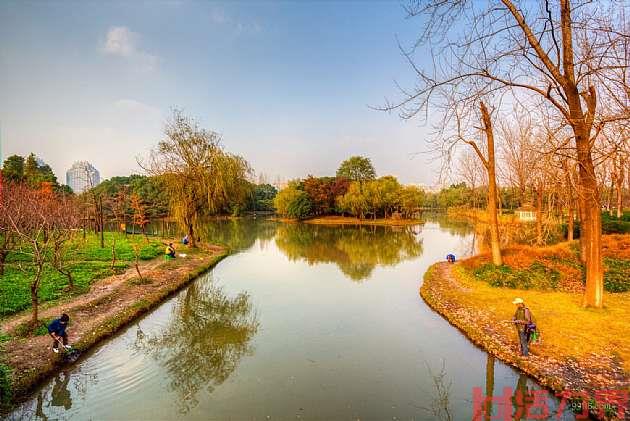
288, 85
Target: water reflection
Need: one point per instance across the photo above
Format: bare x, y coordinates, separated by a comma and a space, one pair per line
238, 233
204, 341
355, 250
54, 401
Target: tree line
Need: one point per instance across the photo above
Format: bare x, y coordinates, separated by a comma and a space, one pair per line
190, 176
19, 169
354, 190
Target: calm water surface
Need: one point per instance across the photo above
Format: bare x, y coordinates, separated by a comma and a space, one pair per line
302, 322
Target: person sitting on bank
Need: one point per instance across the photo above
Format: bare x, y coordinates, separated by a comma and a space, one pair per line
170, 250
186, 240
450, 258
522, 318
57, 330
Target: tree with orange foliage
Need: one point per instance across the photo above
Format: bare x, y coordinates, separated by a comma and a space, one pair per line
139, 214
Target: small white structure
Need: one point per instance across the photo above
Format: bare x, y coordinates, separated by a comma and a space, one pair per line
526, 213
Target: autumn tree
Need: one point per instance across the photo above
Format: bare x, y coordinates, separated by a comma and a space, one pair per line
139, 214
550, 55
7, 234
42, 223
199, 176
65, 219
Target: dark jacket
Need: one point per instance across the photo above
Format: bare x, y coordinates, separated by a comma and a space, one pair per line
522, 314
57, 327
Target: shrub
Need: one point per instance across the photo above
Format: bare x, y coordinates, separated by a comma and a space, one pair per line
617, 275
536, 276
612, 225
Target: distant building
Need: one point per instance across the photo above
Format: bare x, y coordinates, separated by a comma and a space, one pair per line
526, 213
82, 176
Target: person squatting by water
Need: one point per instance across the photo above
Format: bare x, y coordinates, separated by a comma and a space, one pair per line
450, 258
170, 250
524, 325
57, 330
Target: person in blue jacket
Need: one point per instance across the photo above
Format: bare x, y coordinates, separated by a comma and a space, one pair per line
57, 330
450, 258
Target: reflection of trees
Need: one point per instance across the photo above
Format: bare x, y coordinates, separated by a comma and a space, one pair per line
204, 341
355, 250
237, 234
458, 227
60, 395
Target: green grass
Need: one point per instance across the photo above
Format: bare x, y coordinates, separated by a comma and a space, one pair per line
5, 384
88, 263
537, 276
617, 275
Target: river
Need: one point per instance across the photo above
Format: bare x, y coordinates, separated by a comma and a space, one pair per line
300, 322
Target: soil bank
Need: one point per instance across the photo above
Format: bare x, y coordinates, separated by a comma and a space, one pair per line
482, 312
110, 304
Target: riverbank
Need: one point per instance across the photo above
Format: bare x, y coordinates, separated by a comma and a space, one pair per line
347, 220
111, 303
581, 349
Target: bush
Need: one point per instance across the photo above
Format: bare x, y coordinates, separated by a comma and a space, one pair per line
536, 276
612, 225
300, 207
617, 275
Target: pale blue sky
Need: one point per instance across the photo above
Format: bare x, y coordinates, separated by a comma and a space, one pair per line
287, 84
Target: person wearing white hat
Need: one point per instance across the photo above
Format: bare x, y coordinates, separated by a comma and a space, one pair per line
521, 319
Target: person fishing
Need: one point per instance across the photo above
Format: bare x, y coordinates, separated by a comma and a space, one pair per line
523, 321
57, 330
170, 250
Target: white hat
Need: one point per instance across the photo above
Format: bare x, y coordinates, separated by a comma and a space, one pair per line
517, 301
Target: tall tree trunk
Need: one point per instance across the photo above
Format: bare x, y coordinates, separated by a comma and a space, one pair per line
570, 227
191, 236
591, 225
489, 387
539, 212
619, 187
588, 194
35, 297
495, 242
609, 205
3, 258
101, 221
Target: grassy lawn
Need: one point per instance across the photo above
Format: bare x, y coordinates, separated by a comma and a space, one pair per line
544, 278
88, 262
567, 328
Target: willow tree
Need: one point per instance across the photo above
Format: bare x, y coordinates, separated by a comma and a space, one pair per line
200, 177
567, 56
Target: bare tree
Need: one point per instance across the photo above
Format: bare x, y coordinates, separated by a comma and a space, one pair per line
65, 221
7, 235
519, 151
30, 221
562, 56
473, 173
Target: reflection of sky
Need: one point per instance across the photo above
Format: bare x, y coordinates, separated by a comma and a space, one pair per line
327, 347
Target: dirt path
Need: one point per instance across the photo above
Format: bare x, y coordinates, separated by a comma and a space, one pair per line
110, 304
98, 290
